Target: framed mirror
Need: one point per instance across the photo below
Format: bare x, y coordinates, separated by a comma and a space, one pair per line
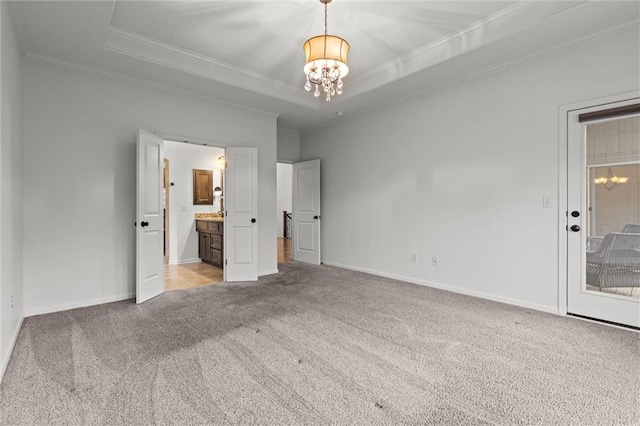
202, 187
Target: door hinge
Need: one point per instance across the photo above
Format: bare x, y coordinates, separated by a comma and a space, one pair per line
226, 261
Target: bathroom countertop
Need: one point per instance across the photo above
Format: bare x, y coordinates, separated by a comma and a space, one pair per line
209, 217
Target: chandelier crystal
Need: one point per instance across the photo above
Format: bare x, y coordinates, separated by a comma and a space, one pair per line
326, 62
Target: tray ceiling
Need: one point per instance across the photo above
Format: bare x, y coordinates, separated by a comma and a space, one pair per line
250, 52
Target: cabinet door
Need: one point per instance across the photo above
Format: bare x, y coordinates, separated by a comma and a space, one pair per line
204, 247
202, 187
216, 241
216, 257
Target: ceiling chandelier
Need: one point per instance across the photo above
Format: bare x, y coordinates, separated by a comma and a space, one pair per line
326, 62
610, 181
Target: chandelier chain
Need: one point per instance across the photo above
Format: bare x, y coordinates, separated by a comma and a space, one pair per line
325, 19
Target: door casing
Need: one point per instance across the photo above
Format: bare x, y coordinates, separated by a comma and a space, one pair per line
563, 179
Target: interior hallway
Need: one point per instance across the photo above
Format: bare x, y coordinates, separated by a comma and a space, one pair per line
284, 250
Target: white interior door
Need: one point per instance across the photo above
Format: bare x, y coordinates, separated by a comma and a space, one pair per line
603, 253
306, 211
241, 215
149, 217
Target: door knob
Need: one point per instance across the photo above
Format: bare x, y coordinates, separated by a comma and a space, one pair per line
253, 220
143, 224
575, 228
316, 217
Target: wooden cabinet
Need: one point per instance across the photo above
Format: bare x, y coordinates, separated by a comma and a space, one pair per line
202, 187
204, 241
210, 242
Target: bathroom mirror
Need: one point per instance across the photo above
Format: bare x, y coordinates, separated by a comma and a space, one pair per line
202, 187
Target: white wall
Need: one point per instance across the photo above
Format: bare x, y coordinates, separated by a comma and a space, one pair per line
11, 276
460, 173
183, 158
285, 174
79, 180
288, 145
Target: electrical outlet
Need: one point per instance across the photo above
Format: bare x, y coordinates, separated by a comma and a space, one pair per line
434, 261
414, 258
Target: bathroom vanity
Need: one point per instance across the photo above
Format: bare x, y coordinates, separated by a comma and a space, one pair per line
210, 240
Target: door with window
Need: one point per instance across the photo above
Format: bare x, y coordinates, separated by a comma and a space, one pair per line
603, 212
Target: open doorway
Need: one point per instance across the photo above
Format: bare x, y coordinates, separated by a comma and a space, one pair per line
284, 194
193, 204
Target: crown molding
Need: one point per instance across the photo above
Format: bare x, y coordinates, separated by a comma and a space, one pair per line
149, 50
17, 25
480, 73
143, 83
482, 32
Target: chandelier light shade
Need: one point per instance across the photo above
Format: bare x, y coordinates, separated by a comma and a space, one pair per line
610, 181
326, 61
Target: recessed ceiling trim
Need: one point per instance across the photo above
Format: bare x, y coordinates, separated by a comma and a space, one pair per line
483, 71
142, 83
139, 47
497, 26
17, 25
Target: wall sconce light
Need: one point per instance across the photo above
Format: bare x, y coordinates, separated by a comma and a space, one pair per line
220, 162
217, 191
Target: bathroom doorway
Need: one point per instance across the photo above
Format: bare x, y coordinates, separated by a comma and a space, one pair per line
186, 265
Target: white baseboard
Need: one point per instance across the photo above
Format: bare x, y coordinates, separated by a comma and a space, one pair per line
183, 261
479, 294
80, 304
7, 355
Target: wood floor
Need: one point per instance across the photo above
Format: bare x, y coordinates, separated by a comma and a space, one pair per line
284, 250
188, 275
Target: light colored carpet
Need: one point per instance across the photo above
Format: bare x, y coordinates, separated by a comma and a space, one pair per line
319, 345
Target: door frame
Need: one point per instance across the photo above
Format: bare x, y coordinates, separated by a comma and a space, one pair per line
195, 141
167, 209
563, 179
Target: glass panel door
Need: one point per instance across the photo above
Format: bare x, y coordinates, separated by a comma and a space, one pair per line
603, 219
614, 208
